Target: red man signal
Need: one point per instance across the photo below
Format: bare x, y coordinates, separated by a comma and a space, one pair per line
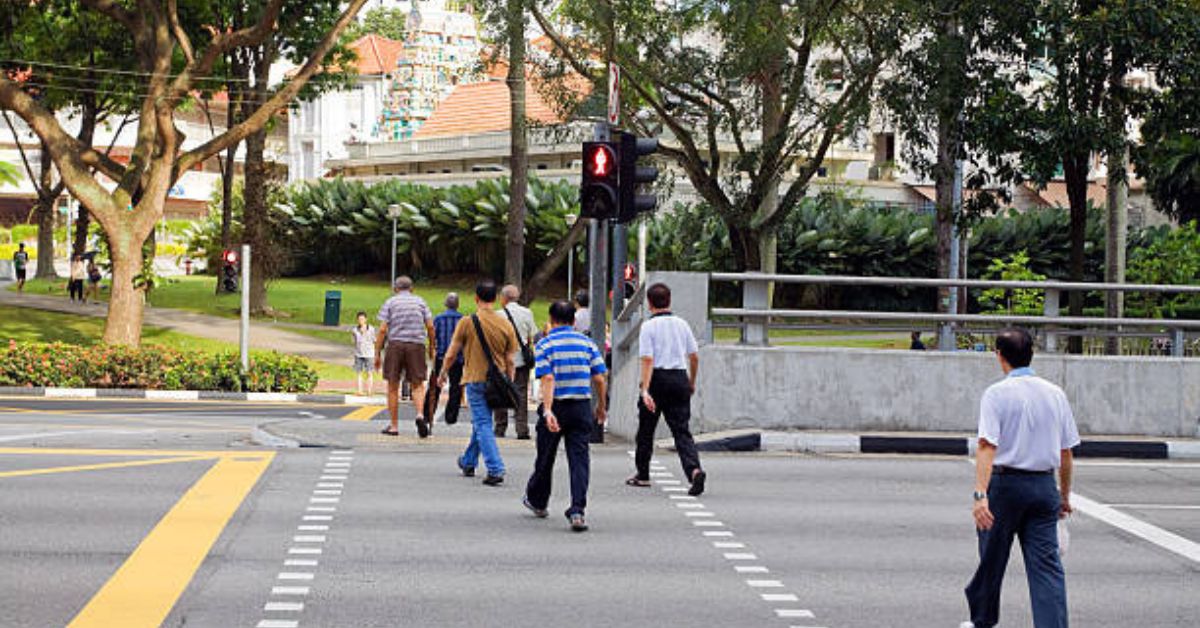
598, 190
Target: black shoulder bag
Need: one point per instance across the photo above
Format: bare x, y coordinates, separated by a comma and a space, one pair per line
500, 392
527, 355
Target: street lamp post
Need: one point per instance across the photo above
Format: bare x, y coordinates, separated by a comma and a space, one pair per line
393, 212
570, 220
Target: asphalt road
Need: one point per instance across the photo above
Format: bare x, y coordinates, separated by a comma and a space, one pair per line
138, 513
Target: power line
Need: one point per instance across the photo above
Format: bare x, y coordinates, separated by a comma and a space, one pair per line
81, 68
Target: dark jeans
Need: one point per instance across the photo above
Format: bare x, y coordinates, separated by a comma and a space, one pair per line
1025, 506
673, 399
75, 289
456, 392
575, 427
521, 418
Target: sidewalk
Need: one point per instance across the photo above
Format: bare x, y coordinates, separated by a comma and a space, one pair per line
263, 336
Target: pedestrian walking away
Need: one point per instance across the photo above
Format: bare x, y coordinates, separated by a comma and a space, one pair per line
444, 325
21, 265
406, 327
670, 360
1026, 431
470, 336
526, 329
75, 281
568, 364
583, 316
93, 279
363, 334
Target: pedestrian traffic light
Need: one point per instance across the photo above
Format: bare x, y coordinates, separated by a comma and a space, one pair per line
598, 188
632, 175
229, 271
629, 275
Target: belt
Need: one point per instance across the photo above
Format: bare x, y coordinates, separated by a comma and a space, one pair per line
1003, 470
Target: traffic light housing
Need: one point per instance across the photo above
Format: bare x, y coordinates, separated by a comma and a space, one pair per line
598, 190
229, 271
633, 148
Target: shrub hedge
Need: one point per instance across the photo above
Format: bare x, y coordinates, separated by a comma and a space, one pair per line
150, 367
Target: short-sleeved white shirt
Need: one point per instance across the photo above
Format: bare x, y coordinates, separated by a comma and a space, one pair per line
1029, 420
667, 339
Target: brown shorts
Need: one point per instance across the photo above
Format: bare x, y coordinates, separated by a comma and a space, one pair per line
404, 360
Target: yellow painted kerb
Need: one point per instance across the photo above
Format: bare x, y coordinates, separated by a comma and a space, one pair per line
365, 413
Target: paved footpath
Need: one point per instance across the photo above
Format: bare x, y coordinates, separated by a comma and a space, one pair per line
384, 531
264, 336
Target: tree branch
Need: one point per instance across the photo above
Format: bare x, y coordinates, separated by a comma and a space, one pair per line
259, 118
114, 10
185, 42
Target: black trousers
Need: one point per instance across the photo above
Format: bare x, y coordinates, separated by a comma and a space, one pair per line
672, 395
521, 413
75, 289
456, 392
575, 427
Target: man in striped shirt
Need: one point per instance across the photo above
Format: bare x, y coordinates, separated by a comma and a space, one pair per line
568, 363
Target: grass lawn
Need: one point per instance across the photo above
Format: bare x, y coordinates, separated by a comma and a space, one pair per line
302, 300
29, 325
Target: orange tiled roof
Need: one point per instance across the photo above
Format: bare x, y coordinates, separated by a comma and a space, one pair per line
483, 107
376, 54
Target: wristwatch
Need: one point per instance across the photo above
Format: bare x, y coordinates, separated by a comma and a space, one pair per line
979, 496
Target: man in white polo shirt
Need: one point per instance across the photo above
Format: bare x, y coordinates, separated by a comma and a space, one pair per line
1026, 431
669, 361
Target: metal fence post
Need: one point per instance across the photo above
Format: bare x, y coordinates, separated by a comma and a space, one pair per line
755, 298
1178, 340
1050, 309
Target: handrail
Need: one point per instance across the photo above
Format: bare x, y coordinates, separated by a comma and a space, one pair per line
921, 282
957, 318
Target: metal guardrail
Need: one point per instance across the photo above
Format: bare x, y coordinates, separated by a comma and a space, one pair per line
755, 316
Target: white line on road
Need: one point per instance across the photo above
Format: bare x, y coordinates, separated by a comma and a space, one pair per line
674, 489
668, 482
689, 505
342, 452
6, 439
335, 465
278, 623
708, 523
793, 612
740, 556
728, 545
318, 518
751, 569
333, 477
309, 538
681, 497
289, 590
304, 550
299, 562
698, 514
320, 528
285, 607
1155, 506
324, 500
1167, 540
765, 584
780, 597
724, 533
321, 509
327, 491
291, 575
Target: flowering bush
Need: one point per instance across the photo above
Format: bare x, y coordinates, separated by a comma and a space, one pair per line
149, 367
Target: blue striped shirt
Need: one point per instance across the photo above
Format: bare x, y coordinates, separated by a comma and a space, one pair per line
443, 329
572, 359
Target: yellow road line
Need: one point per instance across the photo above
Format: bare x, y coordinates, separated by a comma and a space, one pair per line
365, 413
146, 587
97, 467
139, 453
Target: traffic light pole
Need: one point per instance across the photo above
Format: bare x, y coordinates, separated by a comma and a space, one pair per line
597, 273
245, 327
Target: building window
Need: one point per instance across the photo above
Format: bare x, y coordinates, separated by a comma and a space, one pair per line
885, 147
308, 161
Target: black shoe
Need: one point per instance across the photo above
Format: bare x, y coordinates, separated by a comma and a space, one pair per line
451, 420
540, 513
493, 480
698, 483
499, 434
468, 472
577, 522
422, 428
523, 437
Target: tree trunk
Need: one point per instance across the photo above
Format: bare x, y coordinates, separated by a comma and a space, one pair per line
1075, 171
553, 262
82, 224
949, 109
256, 231
1117, 223
514, 253
125, 306
46, 217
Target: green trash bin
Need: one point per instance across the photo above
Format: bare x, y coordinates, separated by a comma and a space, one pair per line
333, 307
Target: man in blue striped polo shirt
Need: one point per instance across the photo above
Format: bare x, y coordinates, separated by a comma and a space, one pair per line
568, 363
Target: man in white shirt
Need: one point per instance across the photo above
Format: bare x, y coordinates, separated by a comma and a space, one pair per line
1026, 431
522, 323
669, 361
583, 316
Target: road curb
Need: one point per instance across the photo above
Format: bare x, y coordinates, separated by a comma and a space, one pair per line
846, 443
186, 395
261, 437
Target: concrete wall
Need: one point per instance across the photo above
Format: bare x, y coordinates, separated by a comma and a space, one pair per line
854, 389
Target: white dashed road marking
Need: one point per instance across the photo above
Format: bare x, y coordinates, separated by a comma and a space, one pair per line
327, 492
